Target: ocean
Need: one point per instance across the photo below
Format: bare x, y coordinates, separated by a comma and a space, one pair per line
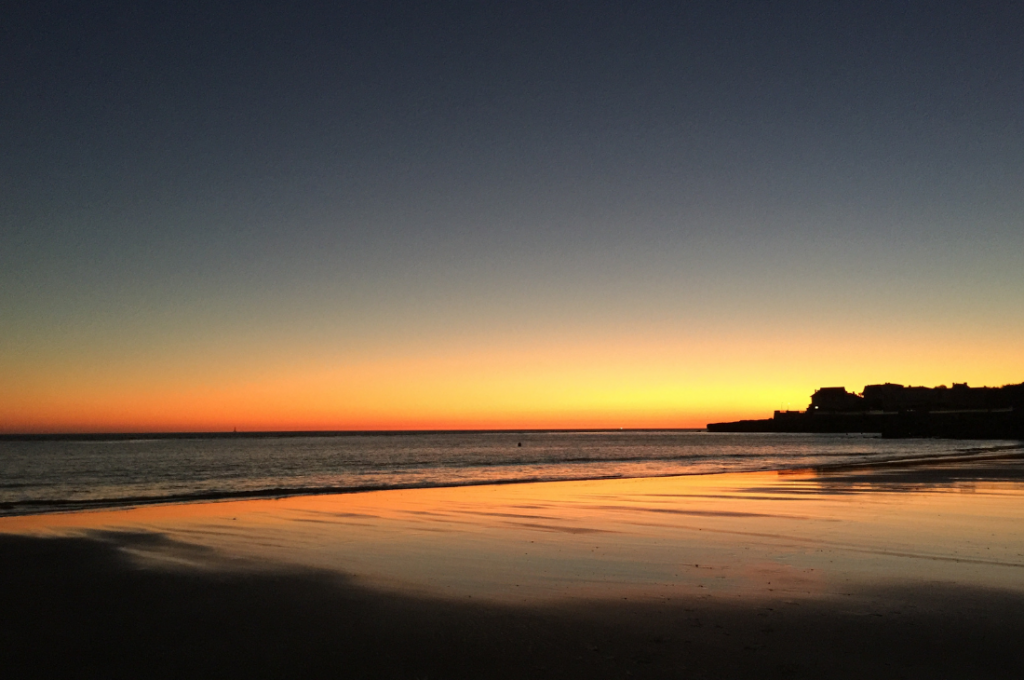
62, 475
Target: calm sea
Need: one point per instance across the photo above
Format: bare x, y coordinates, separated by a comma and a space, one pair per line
47, 476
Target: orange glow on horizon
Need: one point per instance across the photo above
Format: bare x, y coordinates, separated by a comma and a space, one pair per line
628, 382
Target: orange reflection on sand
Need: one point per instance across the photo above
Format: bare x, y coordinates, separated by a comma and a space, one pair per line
732, 535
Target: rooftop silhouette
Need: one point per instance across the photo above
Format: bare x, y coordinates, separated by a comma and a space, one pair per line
893, 410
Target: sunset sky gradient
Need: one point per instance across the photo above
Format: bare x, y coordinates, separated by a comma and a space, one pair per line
501, 215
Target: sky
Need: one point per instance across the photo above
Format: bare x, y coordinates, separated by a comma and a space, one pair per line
443, 215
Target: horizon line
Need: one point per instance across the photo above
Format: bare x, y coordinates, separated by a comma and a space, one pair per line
270, 434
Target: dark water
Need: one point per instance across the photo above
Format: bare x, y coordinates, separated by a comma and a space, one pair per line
44, 476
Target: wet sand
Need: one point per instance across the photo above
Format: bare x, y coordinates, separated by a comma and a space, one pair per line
890, 571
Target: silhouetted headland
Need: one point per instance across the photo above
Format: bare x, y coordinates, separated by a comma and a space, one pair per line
959, 412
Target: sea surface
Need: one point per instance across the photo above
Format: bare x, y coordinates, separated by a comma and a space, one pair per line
63, 475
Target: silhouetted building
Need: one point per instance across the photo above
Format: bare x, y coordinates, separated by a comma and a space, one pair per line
828, 399
961, 397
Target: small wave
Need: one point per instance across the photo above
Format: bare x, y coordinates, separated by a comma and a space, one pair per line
46, 505
51, 505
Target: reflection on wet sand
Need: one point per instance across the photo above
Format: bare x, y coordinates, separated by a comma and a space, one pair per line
749, 536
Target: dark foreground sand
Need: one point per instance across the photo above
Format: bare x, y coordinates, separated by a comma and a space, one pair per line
859, 583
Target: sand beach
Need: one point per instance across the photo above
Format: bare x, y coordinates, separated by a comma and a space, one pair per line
910, 570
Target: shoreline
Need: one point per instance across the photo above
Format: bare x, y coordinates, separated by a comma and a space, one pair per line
62, 506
